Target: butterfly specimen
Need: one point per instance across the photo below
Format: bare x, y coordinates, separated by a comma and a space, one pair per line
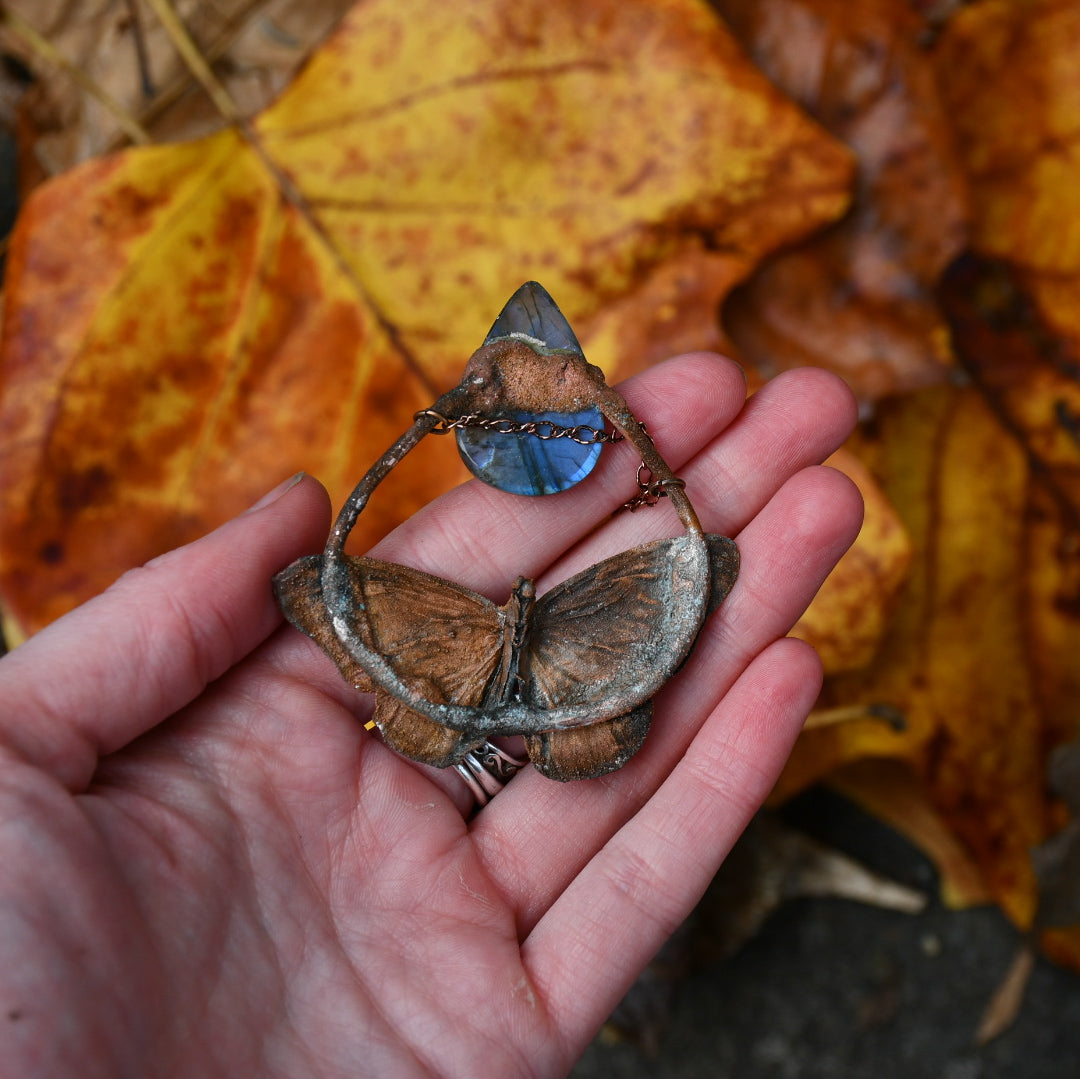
574, 670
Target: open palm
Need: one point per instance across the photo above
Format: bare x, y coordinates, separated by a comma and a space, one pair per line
208, 866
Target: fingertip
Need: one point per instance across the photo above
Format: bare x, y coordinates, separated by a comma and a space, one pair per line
687, 401
293, 519
846, 501
715, 363
747, 738
799, 663
788, 675
818, 509
297, 511
276, 492
825, 394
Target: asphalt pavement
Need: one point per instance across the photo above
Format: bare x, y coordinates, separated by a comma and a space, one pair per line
831, 989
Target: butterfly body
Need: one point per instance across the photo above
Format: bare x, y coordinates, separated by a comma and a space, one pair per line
505, 683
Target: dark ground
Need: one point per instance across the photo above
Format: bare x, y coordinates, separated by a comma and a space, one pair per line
829, 988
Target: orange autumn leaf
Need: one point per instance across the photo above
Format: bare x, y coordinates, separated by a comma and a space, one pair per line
1016, 361
1009, 75
185, 325
849, 616
955, 659
1025, 373
1016, 307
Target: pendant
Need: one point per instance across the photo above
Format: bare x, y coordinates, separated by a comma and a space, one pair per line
518, 460
573, 671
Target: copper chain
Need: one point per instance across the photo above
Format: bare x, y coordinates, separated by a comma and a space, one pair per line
582, 433
650, 489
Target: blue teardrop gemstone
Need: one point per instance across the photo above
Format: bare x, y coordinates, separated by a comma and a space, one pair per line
531, 312
520, 463
526, 465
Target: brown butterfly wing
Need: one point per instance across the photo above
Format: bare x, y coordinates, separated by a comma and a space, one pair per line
298, 590
613, 634
723, 569
588, 752
414, 735
443, 640
574, 647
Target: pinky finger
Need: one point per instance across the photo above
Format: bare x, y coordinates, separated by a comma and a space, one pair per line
601, 932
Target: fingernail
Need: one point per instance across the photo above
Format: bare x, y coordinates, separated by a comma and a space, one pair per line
277, 492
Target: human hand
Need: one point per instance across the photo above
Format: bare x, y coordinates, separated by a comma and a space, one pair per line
209, 867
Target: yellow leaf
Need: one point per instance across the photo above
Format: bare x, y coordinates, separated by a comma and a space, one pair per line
1011, 81
185, 325
849, 615
955, 659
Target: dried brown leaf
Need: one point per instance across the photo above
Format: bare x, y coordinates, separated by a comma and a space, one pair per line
859, 298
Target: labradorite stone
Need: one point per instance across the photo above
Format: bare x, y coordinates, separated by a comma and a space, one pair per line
526, 465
